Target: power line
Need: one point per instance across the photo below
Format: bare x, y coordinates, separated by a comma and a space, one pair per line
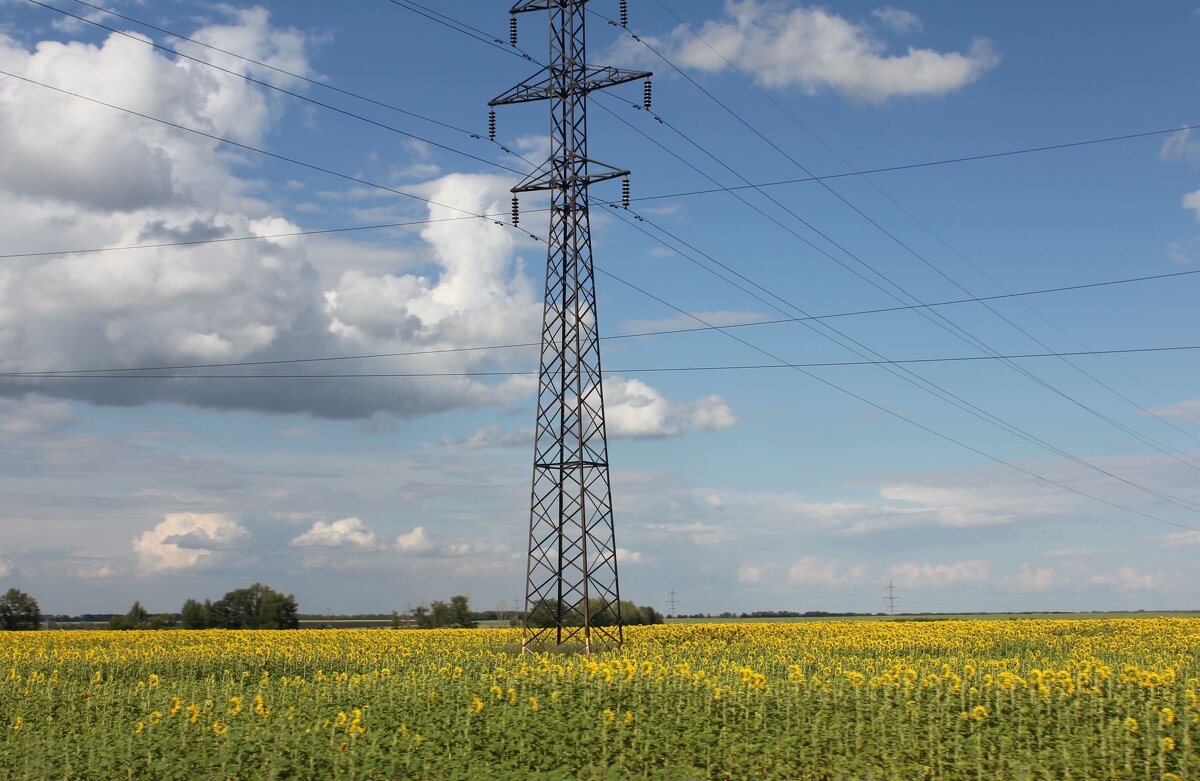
117, 373
279, 89
930, 386
912, 421
636, 335
659, 299
921, 383
264, 152
1145, 439
283, 71
946, 324
262, 237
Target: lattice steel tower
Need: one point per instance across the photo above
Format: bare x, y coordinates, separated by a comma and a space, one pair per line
571, 577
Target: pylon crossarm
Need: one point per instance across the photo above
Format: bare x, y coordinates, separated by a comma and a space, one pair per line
539, 5
546, 84
546, 177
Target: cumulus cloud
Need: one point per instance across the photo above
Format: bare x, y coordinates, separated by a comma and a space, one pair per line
1127, 579
416, 541
1180, 146
634, 409
74, 174
914, 574
34, 414
1185, 251
1184, 410
187, 540
898, 20
1192, 201
493, 436
1182, 538
816, 571
626, 556
749, 573
96, 572
1028, 578
783, 45
343, 533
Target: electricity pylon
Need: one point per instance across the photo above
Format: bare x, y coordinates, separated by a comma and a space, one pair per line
571, 576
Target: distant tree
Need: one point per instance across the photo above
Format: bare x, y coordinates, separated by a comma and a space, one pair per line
19, 611
138, 618
395, 620
460, 613
256, 607
195, 615
544, 614
455, 614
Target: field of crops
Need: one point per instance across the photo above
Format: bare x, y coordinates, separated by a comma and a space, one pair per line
1104, 699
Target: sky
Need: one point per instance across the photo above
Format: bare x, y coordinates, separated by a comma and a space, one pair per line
1035, 483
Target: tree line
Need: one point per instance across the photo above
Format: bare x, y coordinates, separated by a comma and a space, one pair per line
262, 607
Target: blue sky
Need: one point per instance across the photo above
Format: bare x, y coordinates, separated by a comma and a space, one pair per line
740, 489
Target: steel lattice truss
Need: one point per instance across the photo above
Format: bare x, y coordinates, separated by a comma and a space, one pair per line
571, 593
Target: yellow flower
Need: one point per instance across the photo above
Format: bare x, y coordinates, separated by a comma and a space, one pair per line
1168, 715
260, 706
1131, 724
155, 717
235, 705
17, 722
476, 704
1167, 744
152, 681
193, 711
979, 713
219, 727
139, 728
1171, 777
628, 717
609, 716
176, 704
533, 702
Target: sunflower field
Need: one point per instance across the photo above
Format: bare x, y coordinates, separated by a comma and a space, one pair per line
1028, 699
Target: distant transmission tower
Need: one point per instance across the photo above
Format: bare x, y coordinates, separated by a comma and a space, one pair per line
891, 598
571, 576
672, 602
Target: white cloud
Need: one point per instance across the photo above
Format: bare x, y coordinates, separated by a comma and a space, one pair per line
74, 174
416, 541
1182, 538
897, 20
97, 572
1029, 579
1180, 146
784, 45
1184, 410
343, 533
1192, 201
35, 415
1127, 579
626, 556
1184, 252
749, 573
816, 571
493, 436
186, 540
634, 409
913, 574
